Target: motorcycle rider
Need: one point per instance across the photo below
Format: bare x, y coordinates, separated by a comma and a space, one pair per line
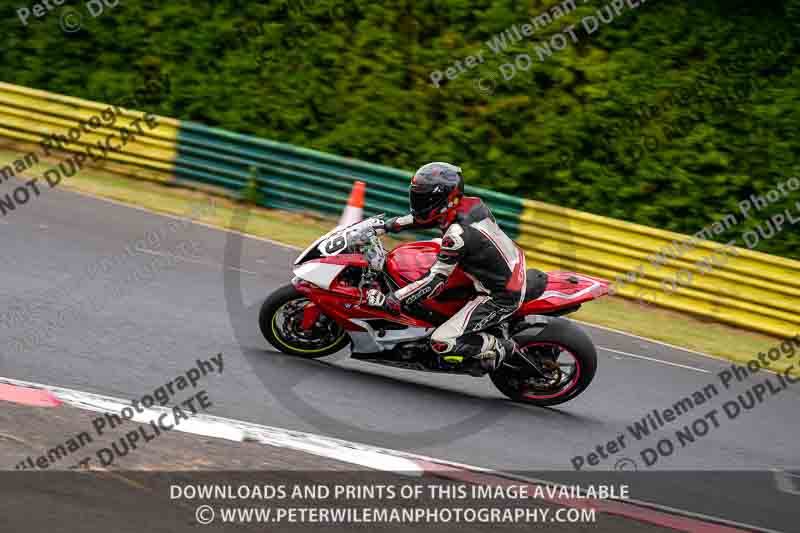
471, 240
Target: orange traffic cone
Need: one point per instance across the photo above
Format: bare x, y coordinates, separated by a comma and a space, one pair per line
354, 212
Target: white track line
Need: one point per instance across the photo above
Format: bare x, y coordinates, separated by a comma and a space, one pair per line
668, 345
196, 261
238, 431
177, 217
701, 354
787, 482
197, 424
654, 360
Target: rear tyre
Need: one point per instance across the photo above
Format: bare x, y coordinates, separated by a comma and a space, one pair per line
564, 350
280, 320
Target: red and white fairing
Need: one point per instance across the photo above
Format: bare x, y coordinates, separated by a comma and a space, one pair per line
410, 262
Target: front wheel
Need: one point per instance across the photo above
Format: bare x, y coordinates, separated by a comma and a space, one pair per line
565, 354
281, 323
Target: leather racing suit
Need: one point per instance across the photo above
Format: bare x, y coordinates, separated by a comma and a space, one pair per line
475, 243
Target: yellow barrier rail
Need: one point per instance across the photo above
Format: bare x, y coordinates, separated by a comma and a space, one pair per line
734, 285
30, 115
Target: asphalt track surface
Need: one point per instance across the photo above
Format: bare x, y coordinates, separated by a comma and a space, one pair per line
153, 330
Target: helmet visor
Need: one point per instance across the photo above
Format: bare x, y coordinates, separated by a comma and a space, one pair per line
424, 204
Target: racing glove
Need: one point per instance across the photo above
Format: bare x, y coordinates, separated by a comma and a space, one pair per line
389, 226
388, 302
398, 224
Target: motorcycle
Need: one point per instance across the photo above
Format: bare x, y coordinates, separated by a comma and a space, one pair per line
324, 309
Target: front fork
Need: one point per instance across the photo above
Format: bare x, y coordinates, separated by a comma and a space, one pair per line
311, 314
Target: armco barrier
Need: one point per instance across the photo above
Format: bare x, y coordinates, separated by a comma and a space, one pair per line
290, 177
30, 115
752, 290
745, 288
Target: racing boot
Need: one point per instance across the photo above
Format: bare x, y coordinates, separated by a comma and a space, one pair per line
491, 359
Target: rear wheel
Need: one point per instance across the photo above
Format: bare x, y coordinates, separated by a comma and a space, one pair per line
281, 323
566, 357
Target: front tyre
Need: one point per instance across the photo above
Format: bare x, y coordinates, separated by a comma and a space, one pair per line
566, 354
281, 323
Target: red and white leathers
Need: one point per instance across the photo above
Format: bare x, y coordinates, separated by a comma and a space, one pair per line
474, 242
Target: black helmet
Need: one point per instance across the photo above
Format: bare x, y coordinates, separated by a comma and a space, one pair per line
435, 190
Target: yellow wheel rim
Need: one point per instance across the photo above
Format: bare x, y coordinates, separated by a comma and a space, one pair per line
295, 348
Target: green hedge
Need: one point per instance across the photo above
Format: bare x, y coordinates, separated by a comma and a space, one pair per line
667, 116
